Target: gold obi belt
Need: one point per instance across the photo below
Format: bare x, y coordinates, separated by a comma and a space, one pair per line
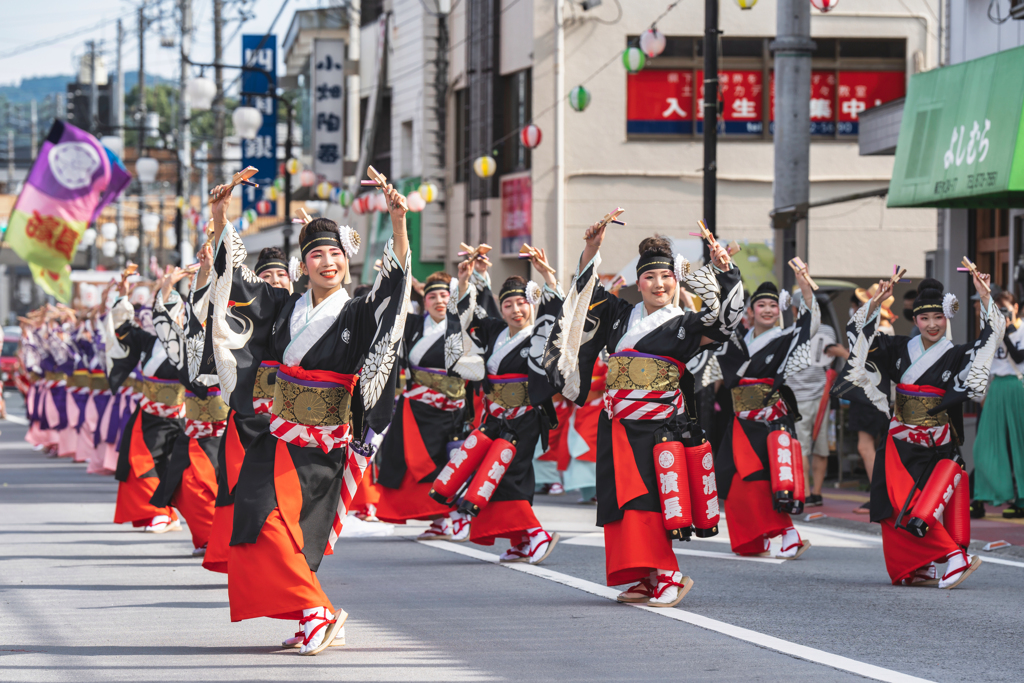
753, 396
133, 383
452, 387
98, 381
265, 375
80, 378
169, 392
913, 403
209, 409
33, 377
634, 371
55, 376
509, 391
315, 398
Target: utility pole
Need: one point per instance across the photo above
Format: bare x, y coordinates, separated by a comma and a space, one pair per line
140, 106
185, 130
94, 90
34, 131
710, 118
120, 123
559, 136
218, 101
10, 161
792, 47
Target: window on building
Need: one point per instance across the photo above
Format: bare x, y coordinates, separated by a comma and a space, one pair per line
515, 114
461, 135
380, 157
848, 76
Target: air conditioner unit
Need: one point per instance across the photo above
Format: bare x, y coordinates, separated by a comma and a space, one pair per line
1017, 9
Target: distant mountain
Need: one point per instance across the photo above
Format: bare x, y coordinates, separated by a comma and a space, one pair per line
38, 87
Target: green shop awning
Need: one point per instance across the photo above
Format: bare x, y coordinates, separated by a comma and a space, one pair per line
961, 142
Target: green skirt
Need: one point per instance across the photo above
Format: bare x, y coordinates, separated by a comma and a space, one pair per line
999, 447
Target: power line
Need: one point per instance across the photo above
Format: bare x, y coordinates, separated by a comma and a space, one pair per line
18, 51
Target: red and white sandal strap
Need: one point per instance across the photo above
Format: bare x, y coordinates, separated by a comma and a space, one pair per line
664, 583
962, 569
546, 539
324, 621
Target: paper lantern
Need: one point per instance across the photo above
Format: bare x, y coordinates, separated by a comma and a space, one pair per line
530, 136
114, 144
200, 93
292, 166
824, 5
359, 206
249, 216
89, 236
416, 202
279, 183
633, 59
271, 193
248, 121
485, 166
150, 222
108, 230
652, 41
323, 190
307, 179
170, 239
146, 169
579, 98
262, 207
110, 249
131, 244
380, 202
344, 197
428, 191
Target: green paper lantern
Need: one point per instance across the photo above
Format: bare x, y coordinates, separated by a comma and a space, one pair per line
579, 98
279, 184
249, 215
633, 59
344, 198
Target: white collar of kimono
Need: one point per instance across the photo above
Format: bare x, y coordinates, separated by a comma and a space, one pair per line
308, 323
641, 324
155, 360
921, 360
755, 344
504, 345
431, 332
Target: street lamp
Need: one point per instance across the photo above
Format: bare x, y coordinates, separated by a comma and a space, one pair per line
201, 93
150, 222
146, 169
248, 121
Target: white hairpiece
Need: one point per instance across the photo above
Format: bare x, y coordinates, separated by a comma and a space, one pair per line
533, 293
785, 299
950, 305
453, 287
294, 270
349, 240
682, 267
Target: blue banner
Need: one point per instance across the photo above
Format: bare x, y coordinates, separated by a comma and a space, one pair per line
259, 53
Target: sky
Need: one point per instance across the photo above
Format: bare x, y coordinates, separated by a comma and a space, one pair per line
25, 25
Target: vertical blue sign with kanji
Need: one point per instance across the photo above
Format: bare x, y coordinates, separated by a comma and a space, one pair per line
259, 53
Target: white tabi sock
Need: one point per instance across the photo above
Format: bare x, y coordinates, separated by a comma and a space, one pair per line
790, 542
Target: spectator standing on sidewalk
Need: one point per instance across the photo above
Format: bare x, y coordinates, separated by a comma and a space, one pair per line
808, 387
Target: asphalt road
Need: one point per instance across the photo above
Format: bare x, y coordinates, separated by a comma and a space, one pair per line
84, 600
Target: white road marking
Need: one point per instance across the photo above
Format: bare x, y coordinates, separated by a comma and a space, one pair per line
761, 640
999, 560
597, 541
16, 420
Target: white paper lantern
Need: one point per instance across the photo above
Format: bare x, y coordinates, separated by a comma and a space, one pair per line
131, 244
652, 42
150, 222
114, 144
89, 236
200, 93
530, 136
248, 121
170, 241
381, 202
146, 169
108, 230
416, 202
110, 249
428, 191
824, 6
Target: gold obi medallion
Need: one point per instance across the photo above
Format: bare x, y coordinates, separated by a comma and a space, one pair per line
171, 394
99, 382
913, 410
209, 409
133, 384
56, 376
264, 387
33, 377
753, 397
80, 379
452, 387
311, 406
642, 373
509, 395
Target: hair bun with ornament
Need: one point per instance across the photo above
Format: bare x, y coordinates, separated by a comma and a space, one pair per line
294, 268
533, 293
950, 305
785, 299
349, 240
682, 267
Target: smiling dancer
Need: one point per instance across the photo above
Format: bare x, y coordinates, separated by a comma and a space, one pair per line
648, 390
934, 378
336, 378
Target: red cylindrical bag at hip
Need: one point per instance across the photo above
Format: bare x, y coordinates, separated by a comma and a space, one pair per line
673, 484
935, 496
700, 470
461, 465
786, 469
489, 474
957, 517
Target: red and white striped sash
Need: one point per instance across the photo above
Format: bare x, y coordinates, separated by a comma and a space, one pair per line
434, 398
355, 467
923, 436
508, 413
161, 409
326, 438
637, 404
197, 429
766, 414
262, 405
